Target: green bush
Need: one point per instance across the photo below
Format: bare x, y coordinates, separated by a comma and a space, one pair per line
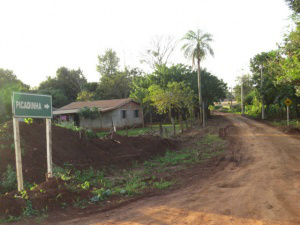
9, 180
217, 106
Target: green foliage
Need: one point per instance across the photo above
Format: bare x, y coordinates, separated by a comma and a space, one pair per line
59, 98
8, 83
80, 203
162, 184
89, 113
172, 158
62, 173
68, 125
29, 211
28, 120
114, 83
197, 45
10, 219
132, 186
294, 5
108, 63
9, 180
64, 86
100, 195
86, 96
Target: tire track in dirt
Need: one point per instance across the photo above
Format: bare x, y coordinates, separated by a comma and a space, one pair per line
259, 185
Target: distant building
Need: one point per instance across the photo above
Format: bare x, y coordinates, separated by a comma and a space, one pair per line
116, 112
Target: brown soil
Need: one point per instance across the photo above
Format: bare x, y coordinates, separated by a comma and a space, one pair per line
257, 182
120, 152
68, 147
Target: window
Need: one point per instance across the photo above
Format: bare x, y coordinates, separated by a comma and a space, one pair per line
123, 114
136, 113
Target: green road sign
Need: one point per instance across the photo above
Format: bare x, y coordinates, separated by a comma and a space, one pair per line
31, 105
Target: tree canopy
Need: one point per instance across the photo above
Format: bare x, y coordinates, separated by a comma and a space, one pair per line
9, 83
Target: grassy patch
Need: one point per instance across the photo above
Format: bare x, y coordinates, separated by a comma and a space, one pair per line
293, 123
162, 184
157, 173
141, 130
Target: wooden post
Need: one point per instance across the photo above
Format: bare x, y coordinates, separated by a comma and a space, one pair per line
49, 148
242, 98
203, 109
181, 123
166, 132
151, 120
100, 119
161, 129
174, 126
18, 154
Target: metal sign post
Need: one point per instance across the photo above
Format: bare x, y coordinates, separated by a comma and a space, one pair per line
203, 109
288, 115
26, 105
288, 102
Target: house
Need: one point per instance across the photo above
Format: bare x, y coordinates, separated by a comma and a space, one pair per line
117, 113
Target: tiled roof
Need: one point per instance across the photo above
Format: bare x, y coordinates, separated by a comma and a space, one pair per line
102, 105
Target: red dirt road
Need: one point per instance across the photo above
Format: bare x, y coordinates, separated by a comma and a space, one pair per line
261, 185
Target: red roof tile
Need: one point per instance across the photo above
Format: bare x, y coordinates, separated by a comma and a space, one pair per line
103, 105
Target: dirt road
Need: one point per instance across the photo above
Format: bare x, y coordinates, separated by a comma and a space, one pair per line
261, 185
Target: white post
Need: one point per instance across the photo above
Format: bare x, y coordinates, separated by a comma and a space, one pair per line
288, 115
262, 97
18, 154
242, 98
203, 109
231, 99
49, 148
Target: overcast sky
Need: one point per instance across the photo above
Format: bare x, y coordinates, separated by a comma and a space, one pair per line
37, 37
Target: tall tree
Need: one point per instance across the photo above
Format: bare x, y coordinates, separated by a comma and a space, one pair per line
64, 87
108, 63
196, 48
159, 52
294, 5
8, 84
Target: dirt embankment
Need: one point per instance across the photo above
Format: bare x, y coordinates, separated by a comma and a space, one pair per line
259, 184
69, 147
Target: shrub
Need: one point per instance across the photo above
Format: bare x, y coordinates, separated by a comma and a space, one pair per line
9, 181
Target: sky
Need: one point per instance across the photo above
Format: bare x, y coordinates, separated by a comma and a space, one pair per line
37, 37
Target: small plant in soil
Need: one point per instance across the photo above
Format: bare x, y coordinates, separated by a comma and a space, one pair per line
162, 184
9, 180
80, 203
10, 219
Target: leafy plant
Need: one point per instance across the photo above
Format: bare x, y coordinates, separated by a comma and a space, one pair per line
162, 184
85, 185
78, 203
10, 219
29, 211
9, 180
28, 120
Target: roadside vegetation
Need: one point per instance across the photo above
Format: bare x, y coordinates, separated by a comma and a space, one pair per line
91, 187
274, 76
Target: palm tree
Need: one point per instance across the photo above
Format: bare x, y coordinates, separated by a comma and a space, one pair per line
197, 48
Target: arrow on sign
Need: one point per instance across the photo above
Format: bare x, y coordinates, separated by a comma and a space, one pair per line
46, 106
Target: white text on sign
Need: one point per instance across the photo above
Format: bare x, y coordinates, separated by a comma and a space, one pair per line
28, 105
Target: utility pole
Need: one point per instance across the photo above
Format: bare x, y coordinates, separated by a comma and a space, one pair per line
231, 98
262, 96
242, 96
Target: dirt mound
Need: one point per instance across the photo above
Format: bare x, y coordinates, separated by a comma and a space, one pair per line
69, 147
51, 193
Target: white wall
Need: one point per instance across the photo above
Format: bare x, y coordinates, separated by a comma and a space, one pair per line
116, 115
